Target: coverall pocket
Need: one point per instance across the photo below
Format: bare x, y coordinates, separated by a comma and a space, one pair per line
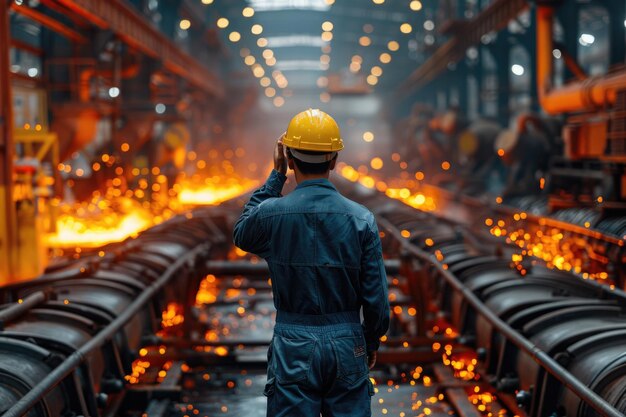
292, 358
351, 358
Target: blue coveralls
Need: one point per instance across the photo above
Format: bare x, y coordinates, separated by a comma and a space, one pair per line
325, 260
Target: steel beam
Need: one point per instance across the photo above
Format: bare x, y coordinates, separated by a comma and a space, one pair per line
494, 18
8, 232
138, 32
49, 22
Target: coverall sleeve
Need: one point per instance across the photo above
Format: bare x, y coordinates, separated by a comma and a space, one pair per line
249, 233
374, 291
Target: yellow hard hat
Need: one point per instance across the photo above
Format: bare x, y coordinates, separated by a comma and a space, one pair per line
313, 130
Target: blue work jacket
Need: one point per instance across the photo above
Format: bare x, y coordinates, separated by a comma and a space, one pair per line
322, 249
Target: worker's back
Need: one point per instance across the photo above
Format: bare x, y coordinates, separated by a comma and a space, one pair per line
325, 260
317, 240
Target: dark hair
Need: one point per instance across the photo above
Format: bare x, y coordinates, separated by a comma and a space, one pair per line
308, 168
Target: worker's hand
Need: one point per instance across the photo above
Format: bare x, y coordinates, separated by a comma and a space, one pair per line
280, 160
371, 359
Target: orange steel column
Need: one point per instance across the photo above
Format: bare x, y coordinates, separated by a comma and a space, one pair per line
8, 232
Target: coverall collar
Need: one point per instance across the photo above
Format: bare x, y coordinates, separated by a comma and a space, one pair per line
321, 182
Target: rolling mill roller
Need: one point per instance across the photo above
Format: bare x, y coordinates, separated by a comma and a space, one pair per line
87, 318
561, 319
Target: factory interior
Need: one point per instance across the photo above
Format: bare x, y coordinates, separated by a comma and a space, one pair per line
488, 138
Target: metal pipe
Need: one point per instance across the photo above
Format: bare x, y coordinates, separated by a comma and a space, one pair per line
543, 359
18, 309
75, 359
392, 266
590, 94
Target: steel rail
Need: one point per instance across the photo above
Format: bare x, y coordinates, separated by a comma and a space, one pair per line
542, 358
66, 367
19, 308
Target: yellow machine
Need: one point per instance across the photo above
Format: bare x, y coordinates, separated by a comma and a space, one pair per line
36, 150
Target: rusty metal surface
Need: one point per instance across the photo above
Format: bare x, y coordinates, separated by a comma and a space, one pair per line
139, 33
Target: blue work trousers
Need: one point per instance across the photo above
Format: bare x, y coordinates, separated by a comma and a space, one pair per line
317, 364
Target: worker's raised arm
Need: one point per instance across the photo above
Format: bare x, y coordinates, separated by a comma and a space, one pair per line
374, 291
249, 233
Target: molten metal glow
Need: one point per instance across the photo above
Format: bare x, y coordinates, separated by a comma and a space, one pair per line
95, 227
214, 191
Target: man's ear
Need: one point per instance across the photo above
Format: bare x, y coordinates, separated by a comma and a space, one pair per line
333, 162
290, 163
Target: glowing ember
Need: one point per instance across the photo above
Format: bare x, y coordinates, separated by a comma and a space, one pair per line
557, 248
208, 291
139, 367
172, 316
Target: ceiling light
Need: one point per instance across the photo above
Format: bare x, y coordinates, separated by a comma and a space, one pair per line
586, 39
393, 46
270, 5
368, 136
378, 1
327, 36
517, 69
222, 23
184, 24
365, 41
385, 58
265, 82
294, 40
357, 59
207, 1
258, 71
261, 42
355, 67
415, 5
327, 26
371, 80
429, 25
270, 92
268, 53
256, 29
325, 59
299, 65
234, 36
247, 12
377, 71
367, 28
249, 60
406, 28
244, 52
322, 82
279, 101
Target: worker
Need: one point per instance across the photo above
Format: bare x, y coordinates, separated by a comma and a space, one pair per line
325, 260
